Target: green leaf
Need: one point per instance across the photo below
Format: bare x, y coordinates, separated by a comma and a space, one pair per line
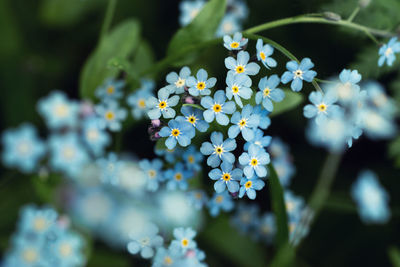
200, 30
144, 57
278, 207
394, 151
291, 100
221, 237
119, 43
160, 144
394, 255
193, 106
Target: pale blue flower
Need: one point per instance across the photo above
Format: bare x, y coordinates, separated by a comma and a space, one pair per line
189, 10
322, 106
229, 24
258, 140
265, 121
387, 52
22, 148
169, 155
34, 221
235, 43
220, 201
269, 92
153, 171
111, 115
254, 161
193, 158
110, 167
278, 149
177, 82
244, 122
297, 73
266, 228
111, 89
162, 105
197, 198
145, 241
177, 131
67, 250
241, 64
238, 86
183, 239
218, 149
264, 53
137, 100
200, 85
226, 177
249, 187
195, 117
245, 217
347, 89
177, 177
166, 257
217, 108
94, 136
284, 169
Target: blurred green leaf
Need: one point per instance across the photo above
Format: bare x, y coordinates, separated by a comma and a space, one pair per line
193, 106
225, 240
119, 43
278, 207
394, 255
394, 151
200, 30
160, 144
144, 57
291, 100
101, 257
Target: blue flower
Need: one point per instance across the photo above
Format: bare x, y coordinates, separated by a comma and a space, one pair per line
195, 118
278, 149
245, 217
184, 239
218, 149
264, 53
347, 90
111, 115
153, 172
162, 105
375, 124
110, 168
111, 89
265, 121
137, 100
217, 108
238, 86
220, 201
36, 221
22, 148
249, 187
387, 52
177, 131
322, 106
294, 205
58, 111
177, 82
166, 257
254, 161
189, 10
145, 241
25, 252
235, 43
371, 198
229, 24
226, 178
268, 92
284, 169
297, 73
94, 136
193, 158
201, 84
67, 154
241, 65
258, 140
266, 228
244, 122
197, 199
177, 177
68, 249
169, 155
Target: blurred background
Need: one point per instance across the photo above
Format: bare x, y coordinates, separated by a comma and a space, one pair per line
45, 44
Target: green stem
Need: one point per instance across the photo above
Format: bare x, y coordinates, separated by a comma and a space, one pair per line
354, 14
108, 18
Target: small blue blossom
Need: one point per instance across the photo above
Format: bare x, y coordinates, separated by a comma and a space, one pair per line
238, 8
200, 85
111, 89
297, 73
195, 118
94, 136
379, 99
137, 100
249, 187
67, 249
235, 43
220, 201
162, 105
22, 148
294, 206
375, 124
153, 172
278, 149
111, 115
218, 149
169, 155
226, 178
229, 24
110, 168
371, 198
387, 52
197, 199
67, 154
322, 106
238, 86
145, 241
177, 177
265, 121
166, 257
266, 228
184, 239
217, 108
258, 140
264, 53
177, 82
245, 217
177, 131
347, 89
284, 169
192, 158
254, 161
36, 221
58, 111
189, 10
241, 64
244, 122
269, 92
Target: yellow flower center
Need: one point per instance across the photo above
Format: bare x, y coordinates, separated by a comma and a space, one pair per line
226, 177
263, 56
178, 176
242, 123
65, 249
191, 119
239, 69
201, 85
198, 195
185, 242
23, 147
234, 45
175, 132
110, 90
168, 260
388, 51
248, 184
61, 110
162, 105
235, 89
219, 150
217, 108
39, 224
92, 134
109, 115
191, 159
289, 206
69, 152
152, 173
322, 107
29, 255
265, 229
219, 199
141, 103
266, 91
298, 74
180, 82
254, 162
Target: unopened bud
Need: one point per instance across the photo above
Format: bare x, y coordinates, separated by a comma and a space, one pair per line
332, 16
364, 3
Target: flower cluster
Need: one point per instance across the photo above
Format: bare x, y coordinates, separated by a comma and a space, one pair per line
44, 239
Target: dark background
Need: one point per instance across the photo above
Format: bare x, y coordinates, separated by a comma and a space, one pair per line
40, 52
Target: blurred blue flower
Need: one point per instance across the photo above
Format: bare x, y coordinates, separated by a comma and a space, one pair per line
153, 171
36, 221
197, 199
266, 228
258, 140
145, 241
217, 108
294, 205
284, 169
264, 53
254, 162
297, 73
177, 82
226, 178
166, 257
322, 106
265, 121
177, 177
94, 136
110, 167
241, 64
111, 115
177, 131
192, 158
245, 217
137, 100
218, 149
195, 117
238, 86
235, 43
268, 92
220, 201
387, 52
162, 105
111, 89
244, 122
67, 249
169, 155
183, 239
249, 187
229, 24
189, 10
200, 85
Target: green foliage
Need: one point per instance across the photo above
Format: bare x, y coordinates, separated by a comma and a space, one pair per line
394, 151
144, 57
291, 100
394, 255
200, 30
119, 43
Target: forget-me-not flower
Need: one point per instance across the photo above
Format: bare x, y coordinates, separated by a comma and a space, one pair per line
297, 73
322, 106
177, 177
254, 161
111, 115
226, 177
201, 84
189, 10
265, 121
264, 53
177, 131
218, 149
244, 122
269, 92
217, 108
145, 241
229, 24
258, 140
110, 167
192, 158
249, 187
195, 117
177, 82
94, 136
184, 239
387, 52
137, 100
153, 172
241, 64
235, 43
220, 201
111, 89
238, 86
162, 105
